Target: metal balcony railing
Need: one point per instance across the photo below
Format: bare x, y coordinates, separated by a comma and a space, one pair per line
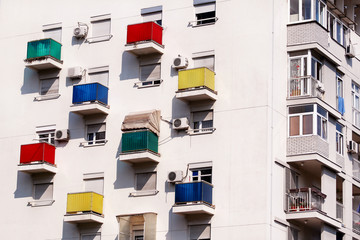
356, 169
84, 202
305, 199
356, 222
304, 86
43, 48
196, 78
142, 32
91, 92
193, 192
139, 141
37, 152
339, 211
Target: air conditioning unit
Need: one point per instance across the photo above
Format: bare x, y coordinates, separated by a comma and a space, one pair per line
175, 176
80, 32
180, 62
320, 86
353, 147
75, 72
350, 51
180, 123
62, 135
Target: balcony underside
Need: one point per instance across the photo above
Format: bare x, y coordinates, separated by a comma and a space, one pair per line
144, 48
89, 108
196, 95
312, 218
37, 168
83, 218
139, 157
43, 63
188, 209
312, 162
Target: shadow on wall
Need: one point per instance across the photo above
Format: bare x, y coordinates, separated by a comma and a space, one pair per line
24, 185
31, 82
76, 126
70, 231
129, 67
180, 109
124, 172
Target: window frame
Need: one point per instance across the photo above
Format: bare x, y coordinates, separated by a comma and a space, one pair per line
147, 190
208, 20
200, 129
201, 175
314, 15
99, 19
43, 199
149, 82
355, 93
339, 139
50, 138
197, 225
95, 141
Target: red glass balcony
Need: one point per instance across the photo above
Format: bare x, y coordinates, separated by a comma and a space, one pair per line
144, 38
37, 153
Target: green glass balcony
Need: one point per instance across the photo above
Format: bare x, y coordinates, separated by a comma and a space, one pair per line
139, 146
43, 54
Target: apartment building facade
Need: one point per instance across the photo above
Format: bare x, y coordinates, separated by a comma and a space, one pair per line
180, 119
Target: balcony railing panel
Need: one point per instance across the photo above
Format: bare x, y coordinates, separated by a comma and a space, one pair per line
149, 31
90, 93
193, 192
303, 86
356, 222
196, 78
305, 199
84, 202
37, 152
339, 211
44, 48
139, 141
356, 169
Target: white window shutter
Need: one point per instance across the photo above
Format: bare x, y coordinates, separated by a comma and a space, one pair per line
145, 181
49, 86
93, 128
200, 232
54, 33
150, 72
91, 237
208, 61
202, 116
95, 185
43, 191
99, 77
152, 17
205, 8
101, 28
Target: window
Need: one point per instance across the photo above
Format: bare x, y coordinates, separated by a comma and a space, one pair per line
200, 232
101, 77
47, 136
204, 174
202, 121
49, 87
205, 61
53, 31
316, 69
138, 234
152, 14
204, 12
94, 185
43, 191
339, 95
293, 234
150, 74
91, 236
337, 29
145, 181
302, 120
302, 10
101, 28
339, 139
356, 104
96, 133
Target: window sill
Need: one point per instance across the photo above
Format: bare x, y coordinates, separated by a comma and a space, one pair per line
143, 193
87, 144
99, 38
46, 97
194, 23
40, 203
192, 132
147, 84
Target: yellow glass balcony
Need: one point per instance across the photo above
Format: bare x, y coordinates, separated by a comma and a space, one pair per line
196, 84
84, 202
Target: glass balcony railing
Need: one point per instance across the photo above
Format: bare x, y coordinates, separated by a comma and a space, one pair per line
84, 202
196, 78
339, 211
139, 141
37, 152
356, 222
305, 86
91, 92
193, 192
43, 48
148, 31
356, 169
305, 199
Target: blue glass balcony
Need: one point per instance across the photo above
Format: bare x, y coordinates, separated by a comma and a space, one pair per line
193, 192
91, 92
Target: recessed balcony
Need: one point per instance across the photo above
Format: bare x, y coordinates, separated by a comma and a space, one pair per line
193, 198
305, 86
196, 84
144, 38
139, 146
43, 54
37, 158
305, 204
91, 98
84, 207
